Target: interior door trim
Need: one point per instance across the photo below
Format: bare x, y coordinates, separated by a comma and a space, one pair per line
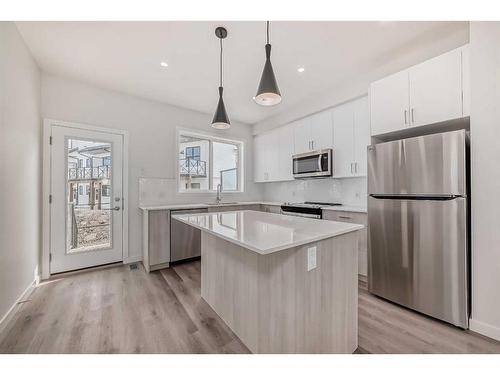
43, 270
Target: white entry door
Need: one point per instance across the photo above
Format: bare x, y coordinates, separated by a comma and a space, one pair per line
86, 210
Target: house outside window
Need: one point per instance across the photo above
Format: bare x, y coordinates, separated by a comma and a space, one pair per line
193, 152
206, 161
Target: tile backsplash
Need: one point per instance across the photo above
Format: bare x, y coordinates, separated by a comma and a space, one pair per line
348, 191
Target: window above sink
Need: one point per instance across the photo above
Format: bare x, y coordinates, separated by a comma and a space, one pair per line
205, 161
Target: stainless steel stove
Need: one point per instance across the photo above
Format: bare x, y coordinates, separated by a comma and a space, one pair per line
306, 209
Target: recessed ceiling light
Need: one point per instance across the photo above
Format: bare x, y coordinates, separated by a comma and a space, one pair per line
301, 69
164, 64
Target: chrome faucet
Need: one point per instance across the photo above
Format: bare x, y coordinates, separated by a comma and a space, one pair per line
219, 191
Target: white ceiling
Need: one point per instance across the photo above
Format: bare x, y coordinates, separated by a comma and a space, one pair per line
126, 56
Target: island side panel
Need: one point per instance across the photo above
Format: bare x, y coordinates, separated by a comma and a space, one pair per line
229, 283
313, 311
274, 305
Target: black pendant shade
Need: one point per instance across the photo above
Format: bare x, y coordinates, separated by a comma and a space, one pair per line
268, 92
221, 120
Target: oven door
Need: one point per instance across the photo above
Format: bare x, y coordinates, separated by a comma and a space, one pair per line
313, 164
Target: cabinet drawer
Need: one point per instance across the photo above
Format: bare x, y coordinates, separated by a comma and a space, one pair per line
348, 217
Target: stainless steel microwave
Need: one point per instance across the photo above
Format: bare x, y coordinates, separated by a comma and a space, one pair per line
313, 164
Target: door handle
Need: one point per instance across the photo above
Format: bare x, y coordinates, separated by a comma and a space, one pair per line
112, 209
319, 164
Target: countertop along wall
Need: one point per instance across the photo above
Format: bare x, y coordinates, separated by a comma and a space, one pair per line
20, 167
152, 156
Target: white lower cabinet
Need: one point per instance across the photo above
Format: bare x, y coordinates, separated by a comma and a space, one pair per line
351, 136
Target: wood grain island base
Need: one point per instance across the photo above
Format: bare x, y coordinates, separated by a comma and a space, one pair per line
274, 305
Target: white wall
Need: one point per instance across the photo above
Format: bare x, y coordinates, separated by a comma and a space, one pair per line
152, 128
485, 168
20, 166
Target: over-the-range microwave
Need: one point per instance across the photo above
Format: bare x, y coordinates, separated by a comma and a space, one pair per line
316, 163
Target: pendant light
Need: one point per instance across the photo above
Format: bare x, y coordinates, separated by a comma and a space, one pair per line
221, 121
268, 93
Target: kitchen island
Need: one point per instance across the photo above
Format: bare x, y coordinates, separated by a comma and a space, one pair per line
283, 284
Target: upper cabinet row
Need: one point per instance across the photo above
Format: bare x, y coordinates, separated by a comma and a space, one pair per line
345, 129
433, 91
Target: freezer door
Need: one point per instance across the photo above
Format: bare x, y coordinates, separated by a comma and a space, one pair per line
427, 165
417, 255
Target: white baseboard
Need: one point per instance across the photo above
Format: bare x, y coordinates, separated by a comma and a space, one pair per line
132, 259
484, 329
10, 313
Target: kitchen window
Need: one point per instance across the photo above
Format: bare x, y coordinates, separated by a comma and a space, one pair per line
206, 161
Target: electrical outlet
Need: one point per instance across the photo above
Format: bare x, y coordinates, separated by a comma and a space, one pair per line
311, 258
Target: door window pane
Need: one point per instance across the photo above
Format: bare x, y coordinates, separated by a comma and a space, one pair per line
88, 215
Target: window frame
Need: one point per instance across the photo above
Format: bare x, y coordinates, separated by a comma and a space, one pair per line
240, 145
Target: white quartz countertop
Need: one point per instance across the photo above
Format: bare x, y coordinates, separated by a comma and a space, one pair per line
264, 232
186, 206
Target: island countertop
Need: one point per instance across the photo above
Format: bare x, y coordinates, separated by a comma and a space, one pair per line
263, 232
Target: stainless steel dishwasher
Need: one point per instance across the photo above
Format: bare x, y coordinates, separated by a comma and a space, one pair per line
185, 240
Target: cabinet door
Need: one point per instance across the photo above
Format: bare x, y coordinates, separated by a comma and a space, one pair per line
159, 237
343, 140
389, 103
258, 159
302, 136
466, 80
321, 130
272, 155
361, 135
436, 89
286, 150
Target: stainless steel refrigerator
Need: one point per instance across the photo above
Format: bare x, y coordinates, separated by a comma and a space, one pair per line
418, 224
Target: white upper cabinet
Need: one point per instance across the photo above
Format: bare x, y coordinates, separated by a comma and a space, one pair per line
273, 155
351, 136
302, 136
259, 158
466, 79
321, 130
436, 89
389, 100
313, 133
361, 135
345, 128
343, 140
286, 150
433, 91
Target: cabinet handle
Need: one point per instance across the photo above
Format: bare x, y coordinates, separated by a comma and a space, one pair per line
351, 168
412, 116
356, 167
405, 117
345, 217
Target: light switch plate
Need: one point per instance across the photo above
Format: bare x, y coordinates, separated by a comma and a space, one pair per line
311, 258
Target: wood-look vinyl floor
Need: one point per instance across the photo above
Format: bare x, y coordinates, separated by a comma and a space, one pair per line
119, 310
